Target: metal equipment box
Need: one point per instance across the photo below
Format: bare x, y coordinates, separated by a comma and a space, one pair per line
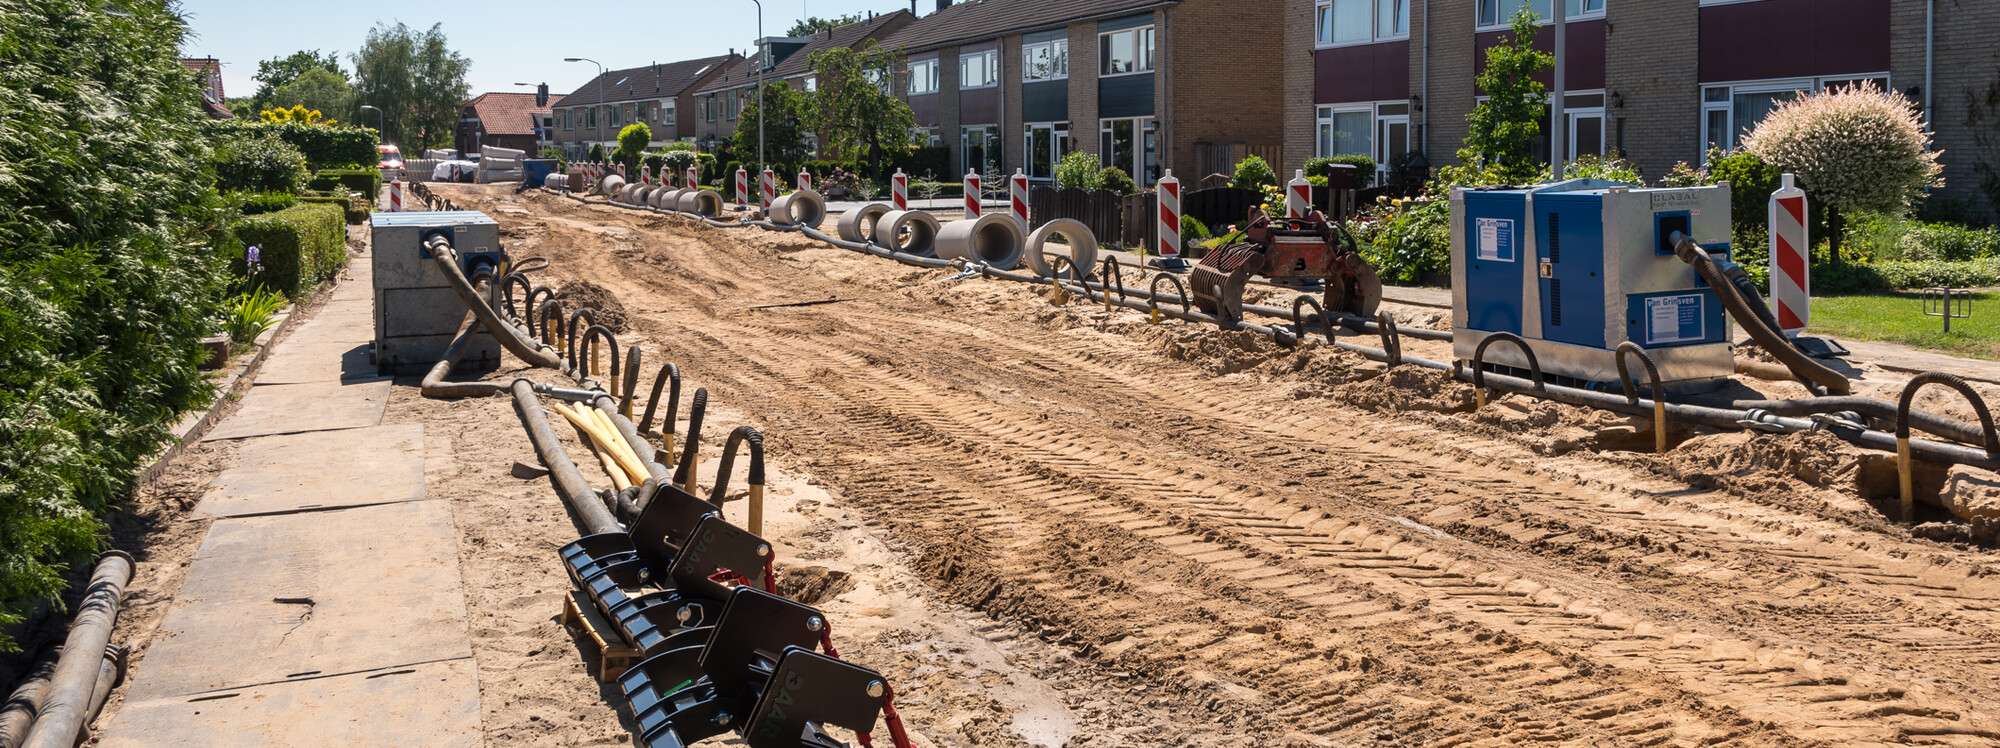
1577, 267
416, 311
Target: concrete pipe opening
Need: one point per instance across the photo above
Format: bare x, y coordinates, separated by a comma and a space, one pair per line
802, 208
626, 193
643, 194
610, 185
993, 240
1082, 245
705, 203
858, 225
667, 199
911, 232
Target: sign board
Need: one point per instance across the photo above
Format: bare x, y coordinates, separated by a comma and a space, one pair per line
1496, 239
1676, 318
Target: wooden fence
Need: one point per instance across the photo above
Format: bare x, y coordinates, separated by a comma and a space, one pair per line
1128, 220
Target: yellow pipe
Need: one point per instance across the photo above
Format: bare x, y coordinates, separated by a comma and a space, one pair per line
1156, 317
1903, 468
630, 463
1659, 425
610, 430
1479, 398
611, 468
756, 509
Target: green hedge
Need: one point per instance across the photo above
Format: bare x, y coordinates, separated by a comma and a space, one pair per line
355, 209
323, 145
1364, 167
366, 181
298, 246
1854, 277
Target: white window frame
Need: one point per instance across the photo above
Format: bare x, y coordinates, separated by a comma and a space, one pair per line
1058, 55
926, 71
1060, 145
1323, 117
989, 59
812, 83
1145, 47
1727, 106
1584, 13
1323, 25
669, 113
1137, 168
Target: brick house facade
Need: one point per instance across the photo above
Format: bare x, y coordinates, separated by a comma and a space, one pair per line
1656, 80
504, 119
660, 95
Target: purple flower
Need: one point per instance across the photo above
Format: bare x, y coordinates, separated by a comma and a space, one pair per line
250, 255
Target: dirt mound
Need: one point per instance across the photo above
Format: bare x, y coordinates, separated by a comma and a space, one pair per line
603, 305
1409, 388
1315, 370
1553, 428
1817, 459
1219, 352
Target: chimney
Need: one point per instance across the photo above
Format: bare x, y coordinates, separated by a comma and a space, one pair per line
942, 4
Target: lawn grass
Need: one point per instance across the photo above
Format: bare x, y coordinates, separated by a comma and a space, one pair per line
1898, 318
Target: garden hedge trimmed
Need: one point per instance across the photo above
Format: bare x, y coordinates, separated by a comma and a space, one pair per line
367, 180
298, 247
324, 145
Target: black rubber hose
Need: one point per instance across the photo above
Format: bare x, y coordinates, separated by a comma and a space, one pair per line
66, 711
510, 337
631, 382
742, 435
570, 337
590, 338
538, 301
668, 373
1988, 440
1773, 342
434, 384
569, 483
684, 471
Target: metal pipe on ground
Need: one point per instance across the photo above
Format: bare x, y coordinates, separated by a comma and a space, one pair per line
67, 710
569, 482
18, 713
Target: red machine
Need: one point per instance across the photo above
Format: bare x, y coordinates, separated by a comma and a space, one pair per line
1302, 248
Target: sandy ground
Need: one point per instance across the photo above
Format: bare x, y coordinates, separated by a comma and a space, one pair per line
1053, 525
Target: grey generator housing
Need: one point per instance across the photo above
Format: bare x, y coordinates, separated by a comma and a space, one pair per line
416, 311
1577, 268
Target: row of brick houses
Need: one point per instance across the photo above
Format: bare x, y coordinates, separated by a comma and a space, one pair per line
1195, 85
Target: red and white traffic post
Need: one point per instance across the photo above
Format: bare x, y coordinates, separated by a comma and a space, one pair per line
742, 186
899, 190
805, 180
767, 187
1298, 195
621, 171
1791, 282
972, 194
645, 176
1168, 192
694, 176
396, 196
1017, 193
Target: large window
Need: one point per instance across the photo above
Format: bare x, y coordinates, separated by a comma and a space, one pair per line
1345, 130
1046, 143
569, 119
1380, 131
923, 76
1729, 111
1132, 145
979, 69
1361, 21
1494, 14
1045, 61
979, 149
667, 113
1125, 52
729, 107
611, 114
590, 117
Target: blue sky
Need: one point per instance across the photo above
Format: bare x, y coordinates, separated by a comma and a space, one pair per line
507, 40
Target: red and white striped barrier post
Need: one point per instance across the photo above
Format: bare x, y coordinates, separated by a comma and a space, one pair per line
1298, 195
1791, 282
396, 196
972, 194
899, 190
767, 188
805, 180
742, 186
1017, 193
621, 171
694, 176
645, 176
1168, 193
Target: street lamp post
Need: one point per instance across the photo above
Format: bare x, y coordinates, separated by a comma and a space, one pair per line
599, 127
380, 120
761, 114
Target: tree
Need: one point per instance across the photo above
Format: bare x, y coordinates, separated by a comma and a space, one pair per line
326, 92
814, 24
856, 112
276, 72
1502, 129
415, 79
1859, 148
785, 133
632, 142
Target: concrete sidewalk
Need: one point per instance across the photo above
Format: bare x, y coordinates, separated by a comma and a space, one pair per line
325, 605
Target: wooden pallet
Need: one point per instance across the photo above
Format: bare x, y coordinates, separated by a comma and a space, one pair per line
582, 616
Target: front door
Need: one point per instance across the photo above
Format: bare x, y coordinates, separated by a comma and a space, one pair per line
1392, 141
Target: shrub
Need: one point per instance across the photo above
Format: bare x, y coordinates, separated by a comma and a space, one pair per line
1364, 167
632, 143
1253, 173
923, 159
255, 203
1849, 278
252, 314
596, 153
1115, 179
709, 173
1610, 167
1950, 242
1412, 243
355, 210
549, 151
1193, 230
1858, 149
367, 181
322, 145
298, 247
677, 163
259, 164
1079, 171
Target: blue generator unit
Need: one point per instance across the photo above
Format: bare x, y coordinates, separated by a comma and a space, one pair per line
1578, 267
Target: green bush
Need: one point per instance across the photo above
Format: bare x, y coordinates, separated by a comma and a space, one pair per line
323, 145
709, 171
1416, 242
1364, 167
1950, 242
1854, 277
367, 181
1115, 179
1253, 173
354, 209
1193, 230
255, 203
297, 247
252, 314
1078, 171
259, 164
110, 274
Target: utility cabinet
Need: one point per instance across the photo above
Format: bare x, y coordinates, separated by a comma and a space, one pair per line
416, 311
1578, 267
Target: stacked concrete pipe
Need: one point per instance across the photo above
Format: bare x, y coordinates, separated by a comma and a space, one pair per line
1082, 246
610, 185
701, 202
667, 199
994, 240
799, 208
858, 225
923, 228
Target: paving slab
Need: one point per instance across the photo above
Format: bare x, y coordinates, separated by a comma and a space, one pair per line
320, 470
273, 599
433, 704
353, 325
297, 408
300, 362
